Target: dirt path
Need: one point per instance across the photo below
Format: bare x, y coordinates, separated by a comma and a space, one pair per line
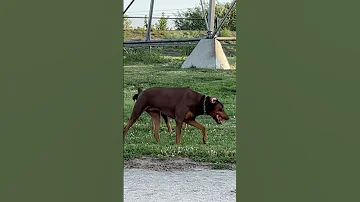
147, 180
170, 164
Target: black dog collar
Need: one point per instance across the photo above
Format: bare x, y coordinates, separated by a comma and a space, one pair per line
204, 104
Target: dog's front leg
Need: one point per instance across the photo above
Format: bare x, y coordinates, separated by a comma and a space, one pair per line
199, 126
179, 124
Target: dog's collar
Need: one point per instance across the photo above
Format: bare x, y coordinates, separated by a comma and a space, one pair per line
204, 104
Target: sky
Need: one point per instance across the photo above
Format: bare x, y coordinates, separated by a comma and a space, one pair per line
141, 8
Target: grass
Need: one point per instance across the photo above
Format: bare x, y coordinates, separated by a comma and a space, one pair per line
143, 56
139, 34
140, 141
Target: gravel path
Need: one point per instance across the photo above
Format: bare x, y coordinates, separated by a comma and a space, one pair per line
173, 185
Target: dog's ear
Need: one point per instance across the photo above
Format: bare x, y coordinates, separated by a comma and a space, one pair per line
213, 100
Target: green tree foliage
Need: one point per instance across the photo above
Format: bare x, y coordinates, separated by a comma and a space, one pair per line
126, 22
188, 23
230, 22
162, 25
145, 22
196, 12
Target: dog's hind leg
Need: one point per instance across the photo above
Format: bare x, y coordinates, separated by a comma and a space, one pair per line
166, 119
156, 124
180, 114
152, 124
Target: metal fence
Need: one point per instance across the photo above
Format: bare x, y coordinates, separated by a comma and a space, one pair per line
173, 36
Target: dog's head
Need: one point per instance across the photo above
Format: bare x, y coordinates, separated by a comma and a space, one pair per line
215, 109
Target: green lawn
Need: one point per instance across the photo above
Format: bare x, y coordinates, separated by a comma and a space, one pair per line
140, 141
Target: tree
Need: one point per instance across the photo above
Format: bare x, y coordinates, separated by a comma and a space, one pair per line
162, 25
127, 23
145, 22
189, 19
220, 11
189, 23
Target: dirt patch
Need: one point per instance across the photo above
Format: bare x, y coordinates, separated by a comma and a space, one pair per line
173, 164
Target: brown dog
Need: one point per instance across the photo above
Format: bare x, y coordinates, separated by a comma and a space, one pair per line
181, 104
154, 113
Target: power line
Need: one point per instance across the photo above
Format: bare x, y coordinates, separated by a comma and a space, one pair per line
157, 13
159, 10
138, 17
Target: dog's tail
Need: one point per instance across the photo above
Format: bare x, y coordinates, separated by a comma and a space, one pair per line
135, 97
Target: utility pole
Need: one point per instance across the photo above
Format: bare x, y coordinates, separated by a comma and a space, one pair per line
211, 18
223, 20
148, 34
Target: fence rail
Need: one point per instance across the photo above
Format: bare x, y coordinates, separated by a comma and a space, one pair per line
168, 18
171, 45
176, 40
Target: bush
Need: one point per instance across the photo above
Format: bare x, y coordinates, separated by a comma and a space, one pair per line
144, 56
226, 33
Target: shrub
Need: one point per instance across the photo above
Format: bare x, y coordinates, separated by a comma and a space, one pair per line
144, 56
226, 33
